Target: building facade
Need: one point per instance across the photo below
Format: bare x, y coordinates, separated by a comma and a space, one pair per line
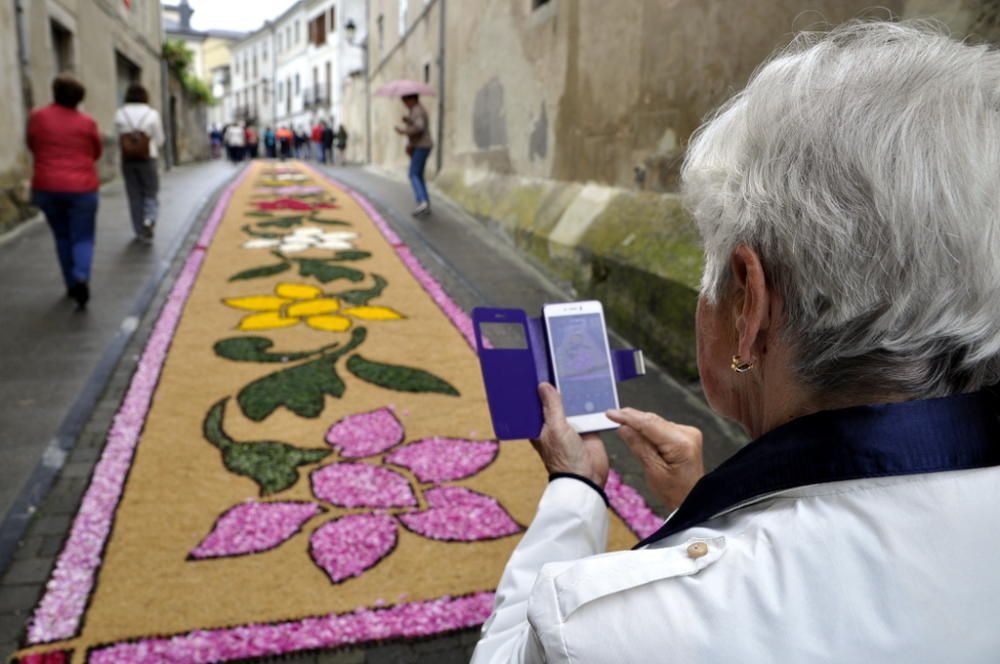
107, 44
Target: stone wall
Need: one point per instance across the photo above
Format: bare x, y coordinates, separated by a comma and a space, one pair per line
13, 158
190, 136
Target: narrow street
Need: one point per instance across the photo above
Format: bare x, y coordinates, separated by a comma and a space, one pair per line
473, 265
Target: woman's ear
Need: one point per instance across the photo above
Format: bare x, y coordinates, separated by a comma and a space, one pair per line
751, 303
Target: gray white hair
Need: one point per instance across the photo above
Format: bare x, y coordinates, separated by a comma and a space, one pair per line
863, 166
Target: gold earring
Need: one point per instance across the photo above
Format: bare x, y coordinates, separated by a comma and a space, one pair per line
739, 366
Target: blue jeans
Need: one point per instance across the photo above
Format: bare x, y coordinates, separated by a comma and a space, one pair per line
417, 164
72, 218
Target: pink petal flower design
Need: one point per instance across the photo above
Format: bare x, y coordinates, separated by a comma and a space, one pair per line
365, 434
445, 459
254, 527
631, 506
361, 485
346, 547
460, 515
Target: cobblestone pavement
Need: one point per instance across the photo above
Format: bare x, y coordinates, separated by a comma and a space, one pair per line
476, 267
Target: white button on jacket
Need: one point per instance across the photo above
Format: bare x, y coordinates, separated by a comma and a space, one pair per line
898, 569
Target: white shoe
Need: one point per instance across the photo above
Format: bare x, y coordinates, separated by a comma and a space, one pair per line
422, 209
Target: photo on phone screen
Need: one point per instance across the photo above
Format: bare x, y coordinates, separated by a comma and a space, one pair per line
580, 356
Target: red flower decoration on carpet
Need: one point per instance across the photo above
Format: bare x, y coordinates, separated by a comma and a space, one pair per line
347, 546
293, 204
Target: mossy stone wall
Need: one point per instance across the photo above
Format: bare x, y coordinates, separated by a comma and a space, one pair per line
638, 253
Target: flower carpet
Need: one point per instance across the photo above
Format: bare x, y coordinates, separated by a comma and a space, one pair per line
303, 459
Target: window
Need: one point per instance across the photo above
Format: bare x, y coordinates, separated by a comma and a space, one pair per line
427, 72
403, 5
380, 21
288, 37
333, 18
62, 47
278, 49
296, 84
236, 65
281, 90
296, 24
317, 30
535, 4
255, 66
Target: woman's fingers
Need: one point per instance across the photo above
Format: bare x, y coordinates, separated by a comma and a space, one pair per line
552, 405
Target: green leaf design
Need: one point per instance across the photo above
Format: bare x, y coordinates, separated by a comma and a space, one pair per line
399, 378
271, 464
364, 296
252, 233
329, 222
300, 389
258, 272
259, 213
285, 222
351, 255
258, 349
325, 273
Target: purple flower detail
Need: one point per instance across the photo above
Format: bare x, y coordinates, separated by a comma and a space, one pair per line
445, 459
631, 507
361, 485
460, 515
347, 546
365, 434
254, 527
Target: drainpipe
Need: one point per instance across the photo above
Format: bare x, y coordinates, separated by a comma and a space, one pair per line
368, 85
22, 57
165, 107
441, 70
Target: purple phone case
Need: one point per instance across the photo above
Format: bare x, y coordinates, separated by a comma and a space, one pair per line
512, 375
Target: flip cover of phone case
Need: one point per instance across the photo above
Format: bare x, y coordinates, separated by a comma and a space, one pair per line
512, 375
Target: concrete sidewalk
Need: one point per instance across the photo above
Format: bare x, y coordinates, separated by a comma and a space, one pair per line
55, 361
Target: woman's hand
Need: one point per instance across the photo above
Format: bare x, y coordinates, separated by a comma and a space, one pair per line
562, 449
671, 454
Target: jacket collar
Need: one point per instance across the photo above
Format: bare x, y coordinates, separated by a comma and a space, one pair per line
933, 435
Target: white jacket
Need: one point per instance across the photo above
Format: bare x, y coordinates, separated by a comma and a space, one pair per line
144, 118
897, 569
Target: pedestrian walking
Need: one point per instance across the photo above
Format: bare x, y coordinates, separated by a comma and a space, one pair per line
416, 128
327, 140
236, 139
285, 141
317, 141
300, 140
270, 143
140, 133
66, 145
215, 137
252, 142
342, 145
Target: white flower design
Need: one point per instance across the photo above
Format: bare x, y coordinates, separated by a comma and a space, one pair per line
306, 238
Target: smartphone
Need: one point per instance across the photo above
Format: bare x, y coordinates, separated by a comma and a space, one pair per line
581, 363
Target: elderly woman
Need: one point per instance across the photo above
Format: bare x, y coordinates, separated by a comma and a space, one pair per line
850, 321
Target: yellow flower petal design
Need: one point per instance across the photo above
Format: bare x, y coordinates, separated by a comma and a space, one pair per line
322, 305
374, 313
257, 302
266, 321
298, 291
329, 323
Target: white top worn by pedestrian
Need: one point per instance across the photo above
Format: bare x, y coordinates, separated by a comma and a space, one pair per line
849, 321
235, 136
144, 118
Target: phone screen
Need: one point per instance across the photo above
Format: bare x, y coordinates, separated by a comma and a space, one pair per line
579, 350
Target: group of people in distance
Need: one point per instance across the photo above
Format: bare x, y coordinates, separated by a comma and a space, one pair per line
242, 141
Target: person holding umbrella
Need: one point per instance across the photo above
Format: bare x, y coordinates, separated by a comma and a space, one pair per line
416, 127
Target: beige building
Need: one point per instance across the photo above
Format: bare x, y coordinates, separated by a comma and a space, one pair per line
106, 43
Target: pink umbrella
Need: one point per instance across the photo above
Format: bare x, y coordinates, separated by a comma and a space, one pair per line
404, 87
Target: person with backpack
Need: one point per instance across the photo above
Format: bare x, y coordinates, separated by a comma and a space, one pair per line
342, 144
328, 139
66, 145
140, 133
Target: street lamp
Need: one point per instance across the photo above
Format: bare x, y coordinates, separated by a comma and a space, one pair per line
351, 30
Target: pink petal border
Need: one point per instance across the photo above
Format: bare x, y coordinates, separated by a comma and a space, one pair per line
60, 611
411, 620
58, 614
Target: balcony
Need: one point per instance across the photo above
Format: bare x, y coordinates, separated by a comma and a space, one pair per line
316, 97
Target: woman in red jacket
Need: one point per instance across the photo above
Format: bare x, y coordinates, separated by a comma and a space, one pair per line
66, 146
